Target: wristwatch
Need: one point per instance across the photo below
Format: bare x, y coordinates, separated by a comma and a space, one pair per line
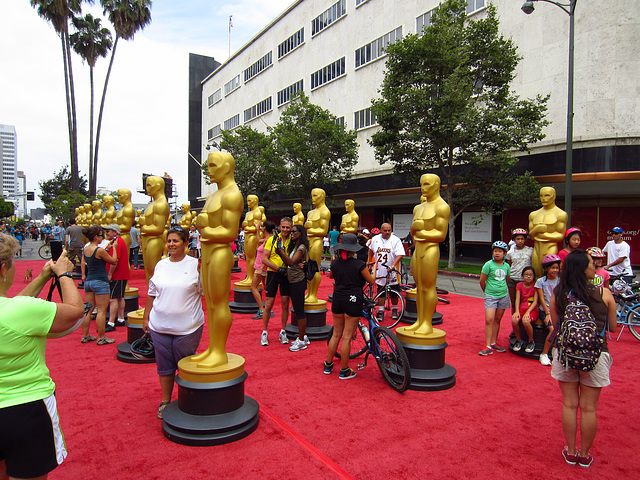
66, 274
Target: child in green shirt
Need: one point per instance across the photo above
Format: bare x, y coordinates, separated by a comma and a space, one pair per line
493, 281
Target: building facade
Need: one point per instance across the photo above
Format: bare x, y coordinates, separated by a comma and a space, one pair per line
334, 52
9, 153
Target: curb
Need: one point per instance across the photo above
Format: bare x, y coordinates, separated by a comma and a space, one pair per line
458, 274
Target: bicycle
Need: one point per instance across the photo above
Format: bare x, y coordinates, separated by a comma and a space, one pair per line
628, 310
383, 345
388, 318
45, 249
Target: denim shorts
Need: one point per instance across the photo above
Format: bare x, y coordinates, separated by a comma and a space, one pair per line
99, 287
497, 302
170, 349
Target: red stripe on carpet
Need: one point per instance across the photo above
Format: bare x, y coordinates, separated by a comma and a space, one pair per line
306, 444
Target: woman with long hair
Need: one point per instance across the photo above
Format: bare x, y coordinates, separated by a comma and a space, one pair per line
581, 389
297, 253
96, 282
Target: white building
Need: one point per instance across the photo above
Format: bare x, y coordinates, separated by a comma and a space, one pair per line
9, 153
334, 52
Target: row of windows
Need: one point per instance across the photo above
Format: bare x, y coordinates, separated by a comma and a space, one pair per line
258, 109
424, 20
214, 132
364, 118
328, 73
330, 15
231, 85
257, 67
232, 122
376, 49
291, 43
285, 94
214, 98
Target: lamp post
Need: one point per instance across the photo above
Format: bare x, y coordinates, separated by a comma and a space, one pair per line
570, 9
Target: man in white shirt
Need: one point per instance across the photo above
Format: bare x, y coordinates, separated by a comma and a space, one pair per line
386, 251
618, 256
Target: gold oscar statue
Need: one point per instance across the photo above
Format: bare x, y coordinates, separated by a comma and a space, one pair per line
109, 216
125, 215
96, 206
546, 228
428, 229
298, 216
218, 225
187, 217
152, 225
350, 219
87, 215
317, 227
253, 216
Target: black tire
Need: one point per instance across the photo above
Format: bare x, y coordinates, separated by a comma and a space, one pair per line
441, 291
444, 300
358, 345
633, 317
45, 252
404, 273
393, 362
387, 320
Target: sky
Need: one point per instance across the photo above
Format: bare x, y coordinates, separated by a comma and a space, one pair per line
145, 121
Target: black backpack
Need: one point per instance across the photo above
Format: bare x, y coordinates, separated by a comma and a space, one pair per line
579, 344
310, 269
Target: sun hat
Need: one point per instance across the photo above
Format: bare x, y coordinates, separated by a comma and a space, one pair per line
349, 243
113, 226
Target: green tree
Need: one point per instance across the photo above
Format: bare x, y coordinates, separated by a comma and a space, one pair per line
91, 42
317, 150
127, 17
6, 208
258, 170
446, 107
58, 12
58, 196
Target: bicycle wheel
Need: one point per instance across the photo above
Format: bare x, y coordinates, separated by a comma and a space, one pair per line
404, 273
387, 319
45, 252
358, 345
633, 317
393, 361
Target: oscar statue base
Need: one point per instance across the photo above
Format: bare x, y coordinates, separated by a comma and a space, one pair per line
134, 332
540, 333
411, 310
77, 272
235, 268
212, 408
317, 328
243, 301
131, 298
426, 353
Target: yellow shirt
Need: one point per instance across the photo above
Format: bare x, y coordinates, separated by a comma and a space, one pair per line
273, 256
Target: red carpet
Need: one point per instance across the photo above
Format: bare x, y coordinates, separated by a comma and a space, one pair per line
500, 421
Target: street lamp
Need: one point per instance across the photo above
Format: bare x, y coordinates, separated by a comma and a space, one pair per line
570, 9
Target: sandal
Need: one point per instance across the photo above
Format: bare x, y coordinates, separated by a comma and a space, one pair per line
106, 341
162, 406
88, 338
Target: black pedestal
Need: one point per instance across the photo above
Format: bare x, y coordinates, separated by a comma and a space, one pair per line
411, 313
243, 301
235, 268
210, 413
134, 332
77, 272
317, 328
429, 372
540, 333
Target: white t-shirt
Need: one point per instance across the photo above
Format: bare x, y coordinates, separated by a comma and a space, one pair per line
177, 308
615, 251
519, 258
385, 251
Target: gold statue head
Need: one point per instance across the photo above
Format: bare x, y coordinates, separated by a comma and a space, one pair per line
297, 208
252, 201
429, 184
349, 205
154, 186
124, 195
317, 196
139, 212
221, 165
96, 205
547, 196
87, 207
185, 207
108, 201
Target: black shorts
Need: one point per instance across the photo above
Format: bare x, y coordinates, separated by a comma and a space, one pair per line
380, 288
117, 288
350, 305
31, 443
275, 280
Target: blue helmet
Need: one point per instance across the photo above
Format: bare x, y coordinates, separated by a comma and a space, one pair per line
500, 244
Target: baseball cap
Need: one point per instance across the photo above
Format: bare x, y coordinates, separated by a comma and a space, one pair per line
365, 231
615, 230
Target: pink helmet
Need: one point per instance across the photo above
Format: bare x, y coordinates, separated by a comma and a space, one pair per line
571, 231
519, 231
551, 259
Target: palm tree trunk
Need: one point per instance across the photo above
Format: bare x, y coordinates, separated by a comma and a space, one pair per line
91, 127
68, 98
75, 174
92, 187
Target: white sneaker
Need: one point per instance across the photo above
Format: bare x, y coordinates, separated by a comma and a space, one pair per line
544, 360
306, 340
283, 337
264, 339
297, 345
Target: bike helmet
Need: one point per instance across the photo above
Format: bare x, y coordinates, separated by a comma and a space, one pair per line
550, 260
595, 252
142, 348
570, 232
375, 231
621, 287
519, 231
500, 244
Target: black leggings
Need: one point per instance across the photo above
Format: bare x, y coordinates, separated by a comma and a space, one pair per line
296, 291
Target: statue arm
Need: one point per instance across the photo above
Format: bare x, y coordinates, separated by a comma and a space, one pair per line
232, 205
323, 227
439, 233
161, 213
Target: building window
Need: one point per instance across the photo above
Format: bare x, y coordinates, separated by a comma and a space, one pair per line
285, 94
291, 43
257, 67
328, 73
364, 118
232, 122
340, 121
423, 21
329, 16
473, 5
360, 2
214, 132
214, 98
232, 85
376, 49
258, 109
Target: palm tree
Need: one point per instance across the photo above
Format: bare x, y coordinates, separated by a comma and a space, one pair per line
91, 41
57, 12
127, 17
